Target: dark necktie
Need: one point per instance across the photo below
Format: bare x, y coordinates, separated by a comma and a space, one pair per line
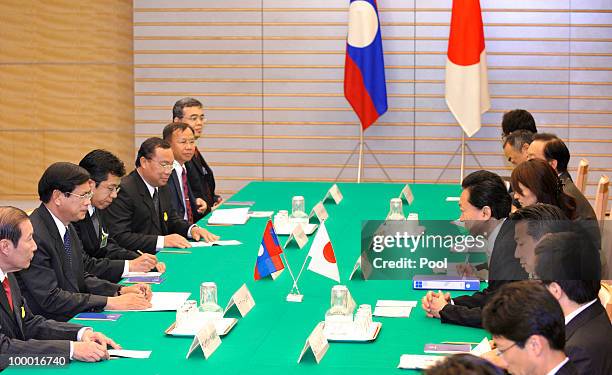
156, 202
67, 246
186, 197
96, 222
7, 290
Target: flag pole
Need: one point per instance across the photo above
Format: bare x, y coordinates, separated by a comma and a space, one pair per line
360, 154
462, 154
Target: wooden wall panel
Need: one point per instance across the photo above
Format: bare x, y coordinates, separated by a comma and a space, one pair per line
66, 86
270, 73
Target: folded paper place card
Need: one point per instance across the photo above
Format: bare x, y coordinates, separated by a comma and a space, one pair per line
298, 235
261, 213
407, 195
230, 216
334, 193
356, 267
317, 343
207, 339
320, 212
394, 309
243, 300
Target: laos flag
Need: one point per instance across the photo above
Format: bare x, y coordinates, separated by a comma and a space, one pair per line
364, 67
268, 257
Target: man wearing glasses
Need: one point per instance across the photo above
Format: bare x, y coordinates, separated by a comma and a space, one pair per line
106, 171
528, 327
191, 112
56, 285
142, 216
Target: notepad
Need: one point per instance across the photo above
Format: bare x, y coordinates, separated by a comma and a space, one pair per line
230, 216
418, 362
136, 274
215, 243
394, 309
122, 353
165, 301
97, 316
144, 279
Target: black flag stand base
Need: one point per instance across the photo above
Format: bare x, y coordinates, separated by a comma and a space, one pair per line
462, 148
361, 145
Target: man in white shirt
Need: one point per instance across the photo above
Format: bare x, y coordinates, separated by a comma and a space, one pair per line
528, 328
33, 334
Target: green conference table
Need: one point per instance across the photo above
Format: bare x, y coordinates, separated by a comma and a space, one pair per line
269, 339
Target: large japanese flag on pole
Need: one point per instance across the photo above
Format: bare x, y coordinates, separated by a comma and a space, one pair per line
467, 92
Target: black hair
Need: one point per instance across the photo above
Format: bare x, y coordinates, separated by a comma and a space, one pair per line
172, 127
488, 189
101, 163
521, 309
567, 256
518, 119
177, 109
541, 219
579, 291
518, 138
147, 148
10, 219
61, 176
557, 150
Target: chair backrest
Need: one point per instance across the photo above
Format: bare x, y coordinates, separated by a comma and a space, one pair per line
582, 175
605, 297
601, 198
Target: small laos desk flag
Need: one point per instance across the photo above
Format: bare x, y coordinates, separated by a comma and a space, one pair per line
268, 258
364, 66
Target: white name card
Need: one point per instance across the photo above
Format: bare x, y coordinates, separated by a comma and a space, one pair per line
334, 193
356, 268
207, 339
298, 235
320, 211
242, 299
317, 343
407, 195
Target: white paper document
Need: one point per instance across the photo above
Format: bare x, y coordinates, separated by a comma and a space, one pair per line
452, 199
419, 362
141, 354
165, 301
140, 274
483, 347
261, 213
230, 216
394, 309
215, 243
193, 326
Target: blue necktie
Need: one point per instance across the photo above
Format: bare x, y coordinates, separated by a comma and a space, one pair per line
67, 246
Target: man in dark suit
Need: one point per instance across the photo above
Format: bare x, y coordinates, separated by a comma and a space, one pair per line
56, 285
588, 332
191, 112
527, 325
106, 171
142, 216
21, 332
186, 197
485, 205
550, 148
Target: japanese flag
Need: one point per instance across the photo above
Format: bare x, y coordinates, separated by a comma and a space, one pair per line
323, 259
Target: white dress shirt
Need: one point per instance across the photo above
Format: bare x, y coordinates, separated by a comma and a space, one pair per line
575, 313
556, 369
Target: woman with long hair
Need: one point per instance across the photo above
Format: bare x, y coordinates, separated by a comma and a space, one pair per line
534, 181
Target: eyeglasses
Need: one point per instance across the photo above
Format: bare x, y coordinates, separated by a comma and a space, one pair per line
165, 166
81, 197
500, 352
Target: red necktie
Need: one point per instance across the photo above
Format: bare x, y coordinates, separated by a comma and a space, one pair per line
7, 290
186, 196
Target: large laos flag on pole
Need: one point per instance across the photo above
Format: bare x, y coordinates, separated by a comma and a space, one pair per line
467, 91
364, 67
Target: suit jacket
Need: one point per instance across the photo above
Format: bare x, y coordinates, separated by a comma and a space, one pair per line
203, 177
568, 369
503, 268
91, 241
588, 341
52, 288
176, 195
22, 332
132, 220
584, 210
